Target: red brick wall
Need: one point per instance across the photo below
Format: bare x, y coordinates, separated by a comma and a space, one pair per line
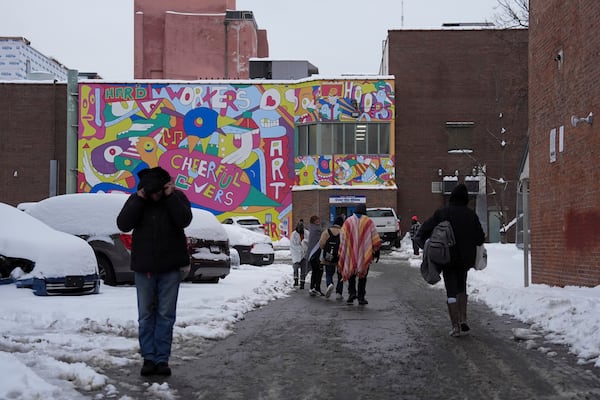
458, 75
565, 194
32, 132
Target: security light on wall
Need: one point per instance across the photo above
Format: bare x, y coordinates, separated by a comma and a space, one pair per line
589, 119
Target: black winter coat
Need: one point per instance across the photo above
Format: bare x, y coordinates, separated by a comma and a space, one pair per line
158, 240
468, 232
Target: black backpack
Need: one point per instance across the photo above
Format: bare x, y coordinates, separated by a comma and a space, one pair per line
332, 248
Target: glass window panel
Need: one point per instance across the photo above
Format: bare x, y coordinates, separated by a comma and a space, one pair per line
373, 139
302, 149
312, 140
338, 138
326, 139
384, 138
348, 139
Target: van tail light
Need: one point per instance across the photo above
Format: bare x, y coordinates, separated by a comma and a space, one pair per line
399, 230
126, 239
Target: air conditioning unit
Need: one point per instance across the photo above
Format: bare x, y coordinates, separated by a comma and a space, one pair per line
472, 184
449, 183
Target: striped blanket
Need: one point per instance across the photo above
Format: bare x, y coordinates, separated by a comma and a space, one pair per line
358, 242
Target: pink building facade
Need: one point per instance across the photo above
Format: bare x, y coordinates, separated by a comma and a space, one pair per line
224, 40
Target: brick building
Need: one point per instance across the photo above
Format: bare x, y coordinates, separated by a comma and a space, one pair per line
461, 116
564, 89
32, 140
189, 39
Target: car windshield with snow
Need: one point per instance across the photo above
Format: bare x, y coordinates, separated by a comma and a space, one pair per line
36, 256
248, 222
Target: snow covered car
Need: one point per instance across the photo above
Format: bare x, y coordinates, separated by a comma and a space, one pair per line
209, 248
39, 257
248, 222
93, 217
253, 248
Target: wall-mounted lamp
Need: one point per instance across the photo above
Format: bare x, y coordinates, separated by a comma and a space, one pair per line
474, 171
455, 172
589, 119
15, 173
440, 172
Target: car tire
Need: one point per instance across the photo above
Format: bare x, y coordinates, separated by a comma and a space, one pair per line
106, 270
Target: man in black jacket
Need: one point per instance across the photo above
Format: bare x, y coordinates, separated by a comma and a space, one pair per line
157, 213
468, 235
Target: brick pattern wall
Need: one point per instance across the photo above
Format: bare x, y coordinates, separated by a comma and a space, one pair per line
565, 194
444, 76
32, 132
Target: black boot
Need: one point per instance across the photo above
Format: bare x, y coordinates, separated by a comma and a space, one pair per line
454, 314
295, 281
149, 368
301, 284
461, 299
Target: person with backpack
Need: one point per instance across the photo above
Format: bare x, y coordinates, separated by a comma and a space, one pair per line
359, 246
468, 234
330, 245
415, 225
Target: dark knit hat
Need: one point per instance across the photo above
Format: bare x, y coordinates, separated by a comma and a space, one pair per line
153, 180
360, 209
339, 220
459, 195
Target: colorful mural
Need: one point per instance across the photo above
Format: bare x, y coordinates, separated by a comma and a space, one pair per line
229, 146
345, 170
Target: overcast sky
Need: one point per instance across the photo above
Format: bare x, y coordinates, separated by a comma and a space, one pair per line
337, 36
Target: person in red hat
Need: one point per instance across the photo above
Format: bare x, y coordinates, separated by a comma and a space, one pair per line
414, 228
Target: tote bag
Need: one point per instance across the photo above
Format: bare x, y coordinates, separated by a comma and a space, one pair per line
481, 258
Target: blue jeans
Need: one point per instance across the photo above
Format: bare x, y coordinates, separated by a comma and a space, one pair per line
329, 272
157, 304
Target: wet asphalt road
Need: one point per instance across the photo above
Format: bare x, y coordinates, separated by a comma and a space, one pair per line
396, 347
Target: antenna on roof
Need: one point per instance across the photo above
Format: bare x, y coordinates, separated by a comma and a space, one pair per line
402, 14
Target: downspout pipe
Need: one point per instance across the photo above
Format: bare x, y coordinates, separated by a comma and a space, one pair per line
71, 159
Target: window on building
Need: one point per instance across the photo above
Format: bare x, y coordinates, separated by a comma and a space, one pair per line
343, 138
460, 137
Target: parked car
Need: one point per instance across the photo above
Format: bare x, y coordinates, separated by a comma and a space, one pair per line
209, 248
93, 217
253, 248
387, 224
248, 222
39, 257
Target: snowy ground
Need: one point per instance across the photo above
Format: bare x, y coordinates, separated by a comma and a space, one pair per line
48, 344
